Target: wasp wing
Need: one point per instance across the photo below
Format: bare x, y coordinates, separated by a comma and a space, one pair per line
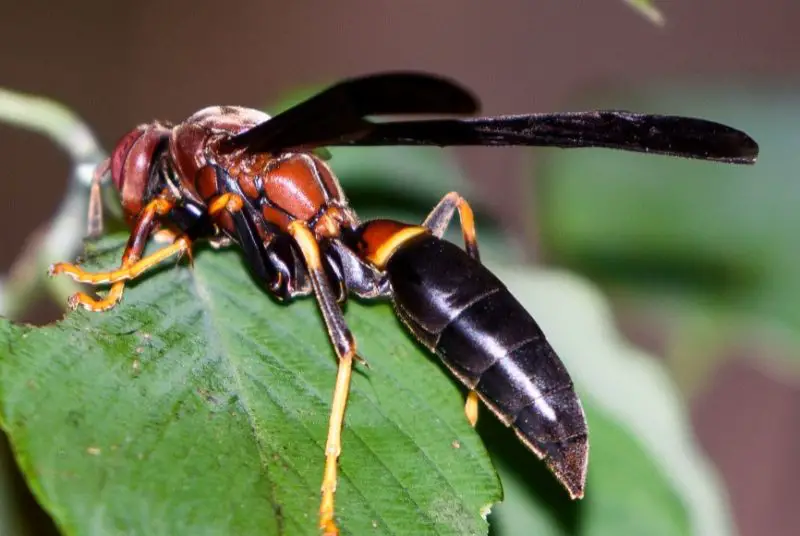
338, 111
615, 129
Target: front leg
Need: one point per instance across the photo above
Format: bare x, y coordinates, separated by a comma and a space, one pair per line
132, 264
94, 219
345, 347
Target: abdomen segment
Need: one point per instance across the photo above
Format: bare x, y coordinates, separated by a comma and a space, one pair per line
460, 310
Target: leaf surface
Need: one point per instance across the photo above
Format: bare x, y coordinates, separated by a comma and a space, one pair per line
712, 241
200, 406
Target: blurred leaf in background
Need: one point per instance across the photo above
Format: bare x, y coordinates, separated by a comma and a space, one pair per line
714, 244
647, 475
648, 10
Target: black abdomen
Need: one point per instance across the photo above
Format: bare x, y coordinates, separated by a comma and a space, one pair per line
460, 310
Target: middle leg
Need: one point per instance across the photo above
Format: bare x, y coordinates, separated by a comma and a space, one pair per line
345, 347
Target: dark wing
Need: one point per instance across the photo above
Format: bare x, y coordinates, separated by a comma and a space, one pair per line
338, 111
661, 134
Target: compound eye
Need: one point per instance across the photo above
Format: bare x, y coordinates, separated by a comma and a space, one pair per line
120, 155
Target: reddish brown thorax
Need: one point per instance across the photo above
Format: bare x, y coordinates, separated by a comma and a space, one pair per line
283, 187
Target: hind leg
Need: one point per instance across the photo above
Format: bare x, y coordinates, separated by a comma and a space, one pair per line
437, 221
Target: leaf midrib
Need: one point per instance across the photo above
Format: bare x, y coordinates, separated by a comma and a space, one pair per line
217, 340
223, 290
309, 388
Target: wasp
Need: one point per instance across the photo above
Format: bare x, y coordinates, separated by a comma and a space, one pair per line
235, 176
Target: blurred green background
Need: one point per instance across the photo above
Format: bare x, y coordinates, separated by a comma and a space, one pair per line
692, 262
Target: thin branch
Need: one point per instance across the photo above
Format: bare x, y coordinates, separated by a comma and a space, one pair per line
60, 238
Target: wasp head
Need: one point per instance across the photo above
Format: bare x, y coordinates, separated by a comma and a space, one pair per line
131, 163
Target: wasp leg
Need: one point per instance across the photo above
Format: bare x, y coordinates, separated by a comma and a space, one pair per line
345, 347
471, 408
232, 203
94, 218
165, 236
439, 218
126, 272
437, 221
133, 252
228, 201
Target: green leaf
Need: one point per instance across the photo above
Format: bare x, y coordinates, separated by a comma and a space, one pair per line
646, 473
631, 491
627, 491
161, 422
200, 406
712, 238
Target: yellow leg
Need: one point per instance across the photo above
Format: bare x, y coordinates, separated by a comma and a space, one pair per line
181, 245
345, 347
130, 270
229, 202
439, 218
437, 221
97, 305
333, 447
471, 408
133, 251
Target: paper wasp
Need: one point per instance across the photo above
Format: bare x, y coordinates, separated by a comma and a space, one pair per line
234, 175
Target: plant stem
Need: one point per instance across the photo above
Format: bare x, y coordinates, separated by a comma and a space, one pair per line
61, 237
